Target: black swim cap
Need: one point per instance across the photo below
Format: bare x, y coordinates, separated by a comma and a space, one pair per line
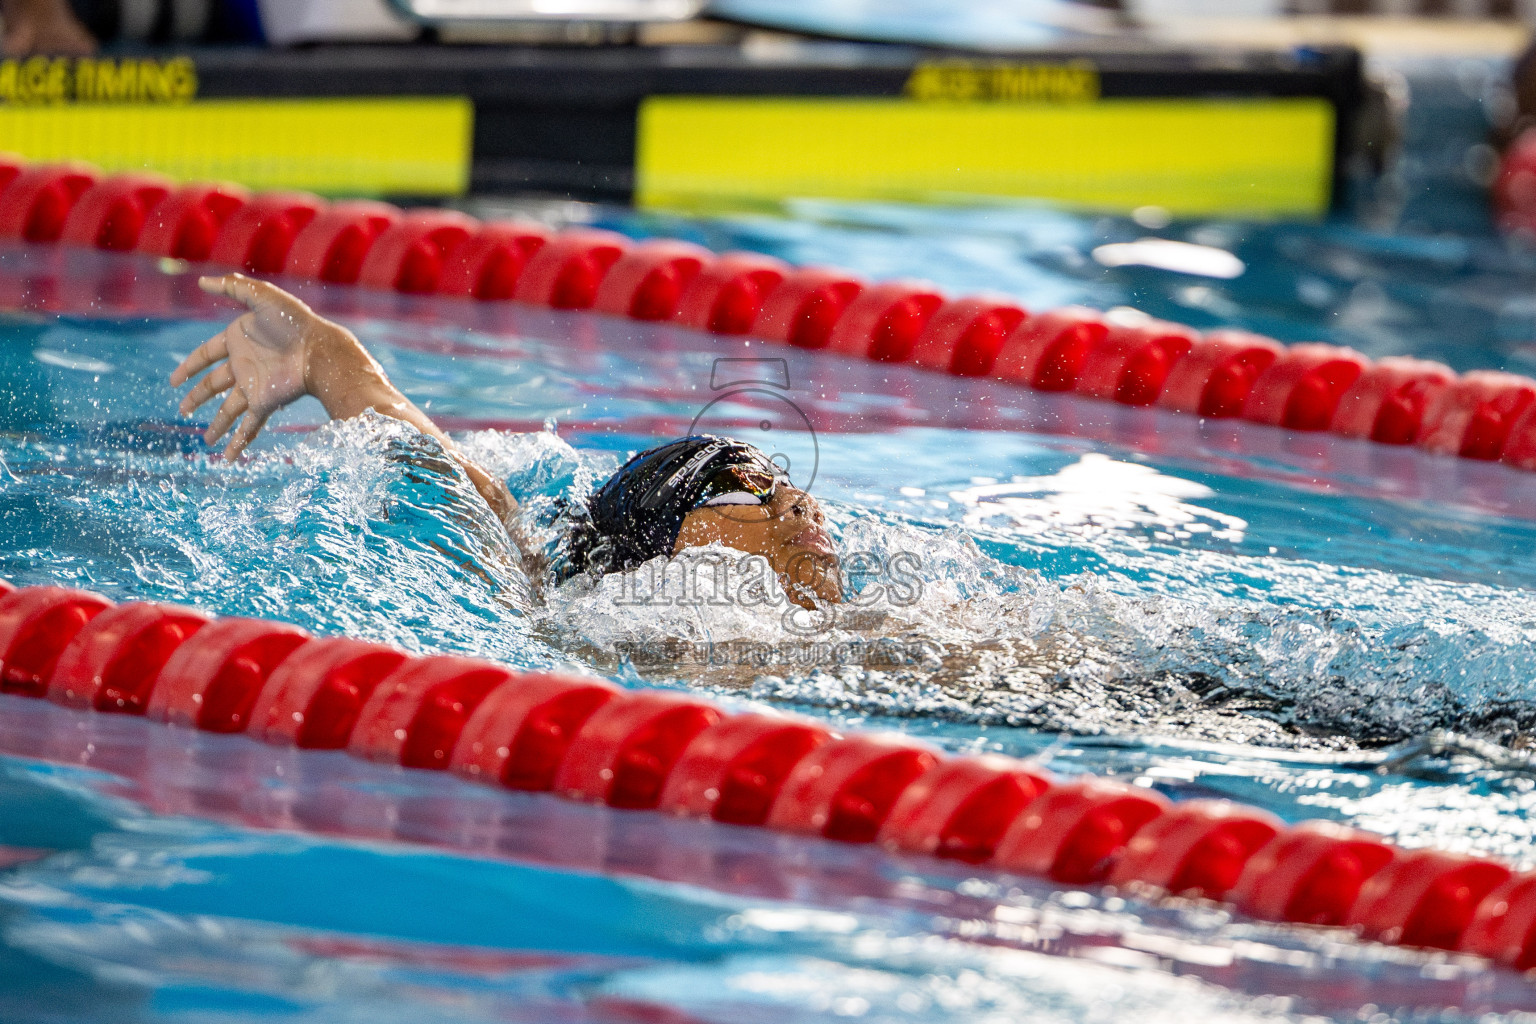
639, 512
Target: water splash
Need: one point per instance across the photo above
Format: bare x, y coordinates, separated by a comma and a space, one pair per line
365, 528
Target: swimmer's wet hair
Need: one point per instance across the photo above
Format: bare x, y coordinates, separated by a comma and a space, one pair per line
639, 512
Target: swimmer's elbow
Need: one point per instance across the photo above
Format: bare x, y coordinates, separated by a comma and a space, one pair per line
493, 490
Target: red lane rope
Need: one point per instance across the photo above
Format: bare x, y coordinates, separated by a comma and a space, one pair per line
675, 753
1218, 374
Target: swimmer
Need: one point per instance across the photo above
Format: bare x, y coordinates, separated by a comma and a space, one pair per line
47, 27
688, 493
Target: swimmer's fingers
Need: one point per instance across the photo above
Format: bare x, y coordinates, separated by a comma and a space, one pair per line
247, 291
202, 357
233, 408
249, 428
217, 381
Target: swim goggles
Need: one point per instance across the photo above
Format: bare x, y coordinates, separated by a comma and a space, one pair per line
740, 485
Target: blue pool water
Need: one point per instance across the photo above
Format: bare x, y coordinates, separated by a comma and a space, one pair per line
1326, 629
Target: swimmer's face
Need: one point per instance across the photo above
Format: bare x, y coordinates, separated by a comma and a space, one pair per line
784, 524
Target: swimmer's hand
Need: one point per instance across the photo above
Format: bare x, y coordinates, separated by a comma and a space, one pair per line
281, 350
261, 361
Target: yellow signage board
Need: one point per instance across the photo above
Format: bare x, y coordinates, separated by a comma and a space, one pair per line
97, 80
1075, 81
142, 115
965, 133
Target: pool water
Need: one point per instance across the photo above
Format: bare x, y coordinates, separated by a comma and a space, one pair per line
1324, 628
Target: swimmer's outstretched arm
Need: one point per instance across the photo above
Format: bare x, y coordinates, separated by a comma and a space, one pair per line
280, 351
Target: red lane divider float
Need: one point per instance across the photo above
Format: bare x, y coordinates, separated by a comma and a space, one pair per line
10, 168
186, 223
332, 247
1504, 927
806, 306
487, 266
313, 697
961, 808
1131, 362
1311, 874
885, 321
964, 336
1425, 898
257, 237
1197, 848
1137, 362
411, 255
1071, 833
519, 734
415, 715
111, 214
1217, 375
36, 625
733, 771
1477, 413
648, 281
727, 295
586, 739
567, 271
36, 202
845, 789
1048, 351
213, 679
1520, 445
1302, 389
624, 752
1391, 400
112, 663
